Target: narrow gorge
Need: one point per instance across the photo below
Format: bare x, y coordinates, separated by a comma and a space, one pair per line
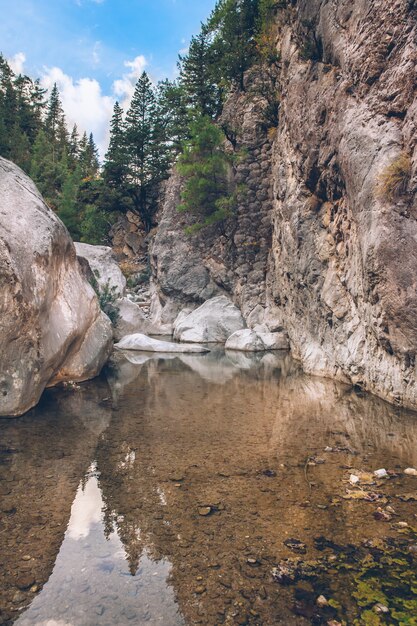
208, 319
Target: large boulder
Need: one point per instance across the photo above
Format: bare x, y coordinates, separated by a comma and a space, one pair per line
51, 325
103, 266
131, 319
213, 322
143, 343
249, 340
245, 340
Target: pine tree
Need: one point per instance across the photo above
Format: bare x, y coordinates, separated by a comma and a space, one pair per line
88, 157
116, 196
55, 124
174, 114
147, 150
199, 78
233, 25
205, 166
73, 147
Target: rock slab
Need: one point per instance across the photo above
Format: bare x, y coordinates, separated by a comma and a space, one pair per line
104, 267
51, 325
213, 322
143, 343
249, 340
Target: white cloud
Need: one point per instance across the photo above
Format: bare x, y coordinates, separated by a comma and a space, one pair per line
124, 88
17, 62
84, 104
83, 100
86, 510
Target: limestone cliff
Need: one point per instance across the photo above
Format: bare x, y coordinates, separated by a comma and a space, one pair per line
323, 244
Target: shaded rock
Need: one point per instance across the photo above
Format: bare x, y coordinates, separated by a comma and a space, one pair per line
214, 321
52, 328
246, 340
147, 344
131, 319
103, 266
274, 341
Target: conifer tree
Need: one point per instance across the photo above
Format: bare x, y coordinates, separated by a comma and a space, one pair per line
55, 124
88, 156
147, 150
174, 114
205, 167
116, 196
233, 25
73, 147
199, 78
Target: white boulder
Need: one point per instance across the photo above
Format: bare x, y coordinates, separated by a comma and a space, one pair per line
51, 325
275, 341
104, 267
131, 319
147, 344
246, 340
213, 322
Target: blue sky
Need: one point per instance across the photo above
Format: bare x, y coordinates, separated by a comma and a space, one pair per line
95, 49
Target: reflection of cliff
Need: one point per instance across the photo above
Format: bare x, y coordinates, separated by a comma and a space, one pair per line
324, 413
181, 443
43, 457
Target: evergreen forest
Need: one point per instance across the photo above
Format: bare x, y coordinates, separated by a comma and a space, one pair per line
172, 122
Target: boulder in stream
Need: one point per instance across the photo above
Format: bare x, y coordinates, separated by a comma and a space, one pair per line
213, 322
148, 344
248, 340
51, 326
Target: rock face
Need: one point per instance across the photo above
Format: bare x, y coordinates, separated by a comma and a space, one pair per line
213, 322
51, 326
322, 246
143, 343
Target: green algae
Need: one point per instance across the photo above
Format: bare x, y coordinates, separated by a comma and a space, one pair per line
375, 583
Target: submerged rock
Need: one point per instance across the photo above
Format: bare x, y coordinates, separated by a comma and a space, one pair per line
147, 344
51, 325
213, 322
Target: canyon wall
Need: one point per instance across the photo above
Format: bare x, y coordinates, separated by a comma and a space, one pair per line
324, 241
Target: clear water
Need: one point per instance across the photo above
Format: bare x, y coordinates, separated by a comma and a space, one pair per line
163, 493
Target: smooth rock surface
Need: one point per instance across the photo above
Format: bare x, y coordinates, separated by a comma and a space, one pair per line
143, 343
131, 320
246, 340
249, 340
213, 322
104, 267
51, 325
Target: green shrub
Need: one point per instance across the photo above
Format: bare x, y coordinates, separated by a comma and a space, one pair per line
208, 192
107, 297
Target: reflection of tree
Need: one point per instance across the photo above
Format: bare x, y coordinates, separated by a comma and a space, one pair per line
223, 441
52, 450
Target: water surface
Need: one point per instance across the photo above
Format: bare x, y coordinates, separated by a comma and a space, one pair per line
164, 493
